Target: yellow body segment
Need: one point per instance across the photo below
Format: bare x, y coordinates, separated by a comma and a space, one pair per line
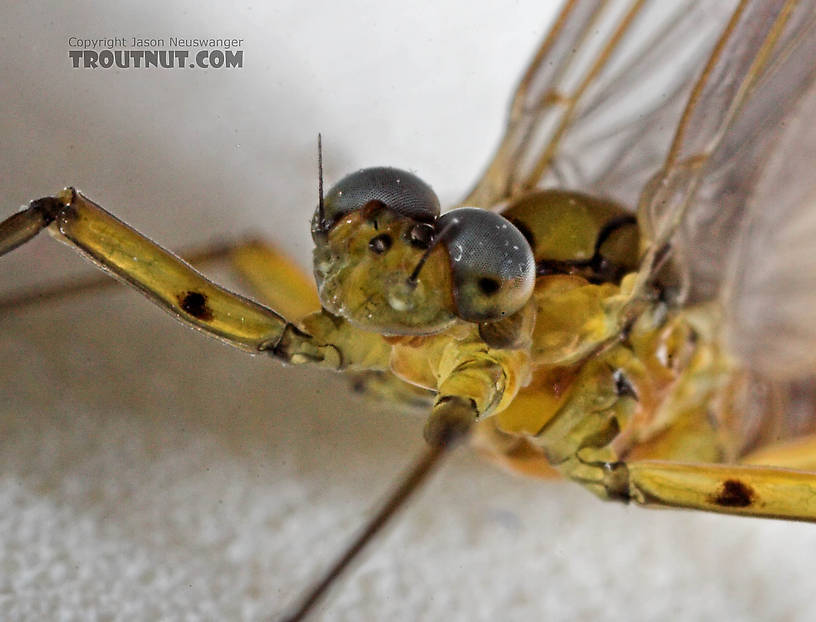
563, 226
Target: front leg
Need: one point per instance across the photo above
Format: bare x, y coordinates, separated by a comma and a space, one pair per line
474, 382
165, 279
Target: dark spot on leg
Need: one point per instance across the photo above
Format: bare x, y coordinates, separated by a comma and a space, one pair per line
734, 494
195, 303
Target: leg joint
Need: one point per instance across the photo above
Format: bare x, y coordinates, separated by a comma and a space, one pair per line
47, 208
616, 481
297, 347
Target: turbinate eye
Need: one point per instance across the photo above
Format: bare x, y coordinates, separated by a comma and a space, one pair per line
395, 189
492, 264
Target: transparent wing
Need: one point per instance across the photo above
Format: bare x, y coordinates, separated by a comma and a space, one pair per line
728, 178
771, 293
735, 201
597, 106
708, 138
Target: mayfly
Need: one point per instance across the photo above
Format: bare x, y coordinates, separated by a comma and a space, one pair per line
637, 352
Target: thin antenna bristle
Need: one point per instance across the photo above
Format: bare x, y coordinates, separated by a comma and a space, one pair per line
412, 481
321, 209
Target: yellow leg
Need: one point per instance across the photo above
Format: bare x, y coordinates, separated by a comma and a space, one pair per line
730, 489
279, 281
96, 282
799, 454
165, 279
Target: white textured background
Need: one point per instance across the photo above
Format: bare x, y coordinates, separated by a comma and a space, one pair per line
147, 472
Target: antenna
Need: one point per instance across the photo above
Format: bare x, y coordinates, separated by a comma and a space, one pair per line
321, 210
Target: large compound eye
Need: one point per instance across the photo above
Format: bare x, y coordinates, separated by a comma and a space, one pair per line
398, 190
492, 263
